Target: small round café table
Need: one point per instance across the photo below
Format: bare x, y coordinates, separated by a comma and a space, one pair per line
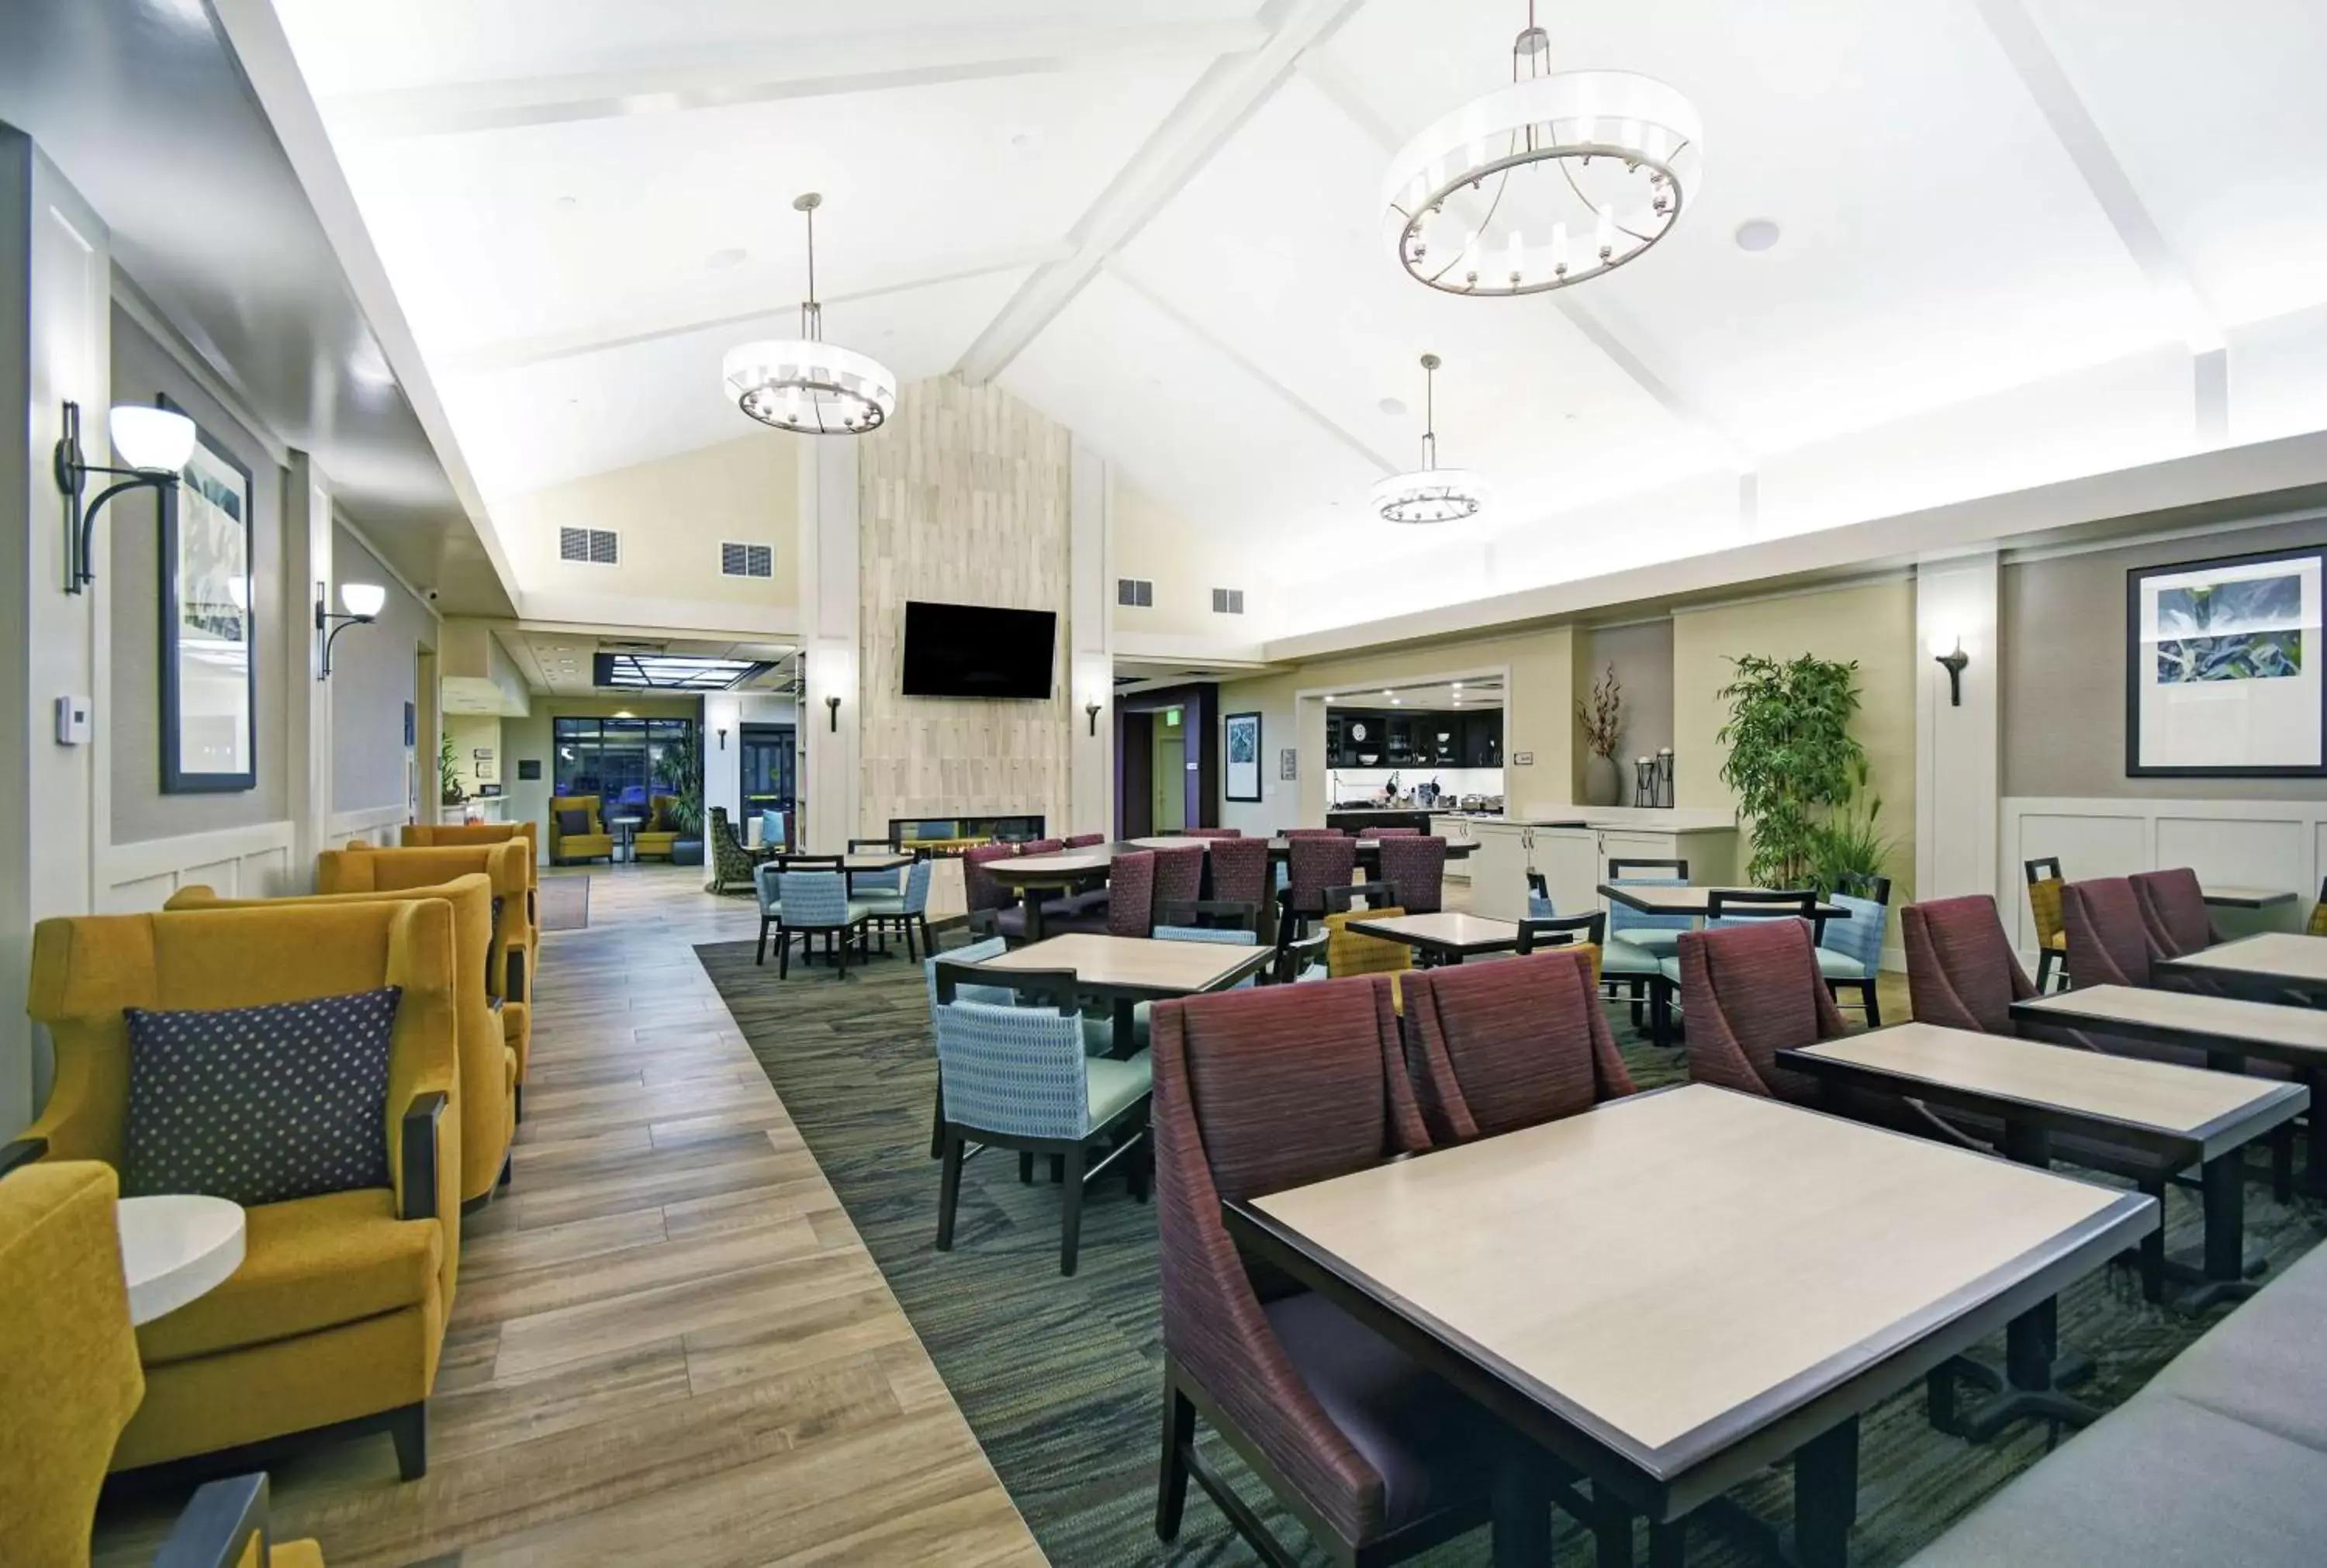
175, 1248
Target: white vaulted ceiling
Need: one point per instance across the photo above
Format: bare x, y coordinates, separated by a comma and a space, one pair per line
1156, 221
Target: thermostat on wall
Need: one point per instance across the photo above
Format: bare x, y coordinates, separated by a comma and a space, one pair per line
72, 721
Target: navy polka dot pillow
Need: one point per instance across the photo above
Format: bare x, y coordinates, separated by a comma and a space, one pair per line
260, 1104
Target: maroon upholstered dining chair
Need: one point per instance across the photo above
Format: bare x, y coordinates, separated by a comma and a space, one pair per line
1257, 1091
1313, 865
1211, 833
1179, 874
1381, 833
1310, 833
1962, 971
1495, 1047
1043, 846
2109, 942
984, 893
1085, 840
1417, 867
1750, 992
1131, 894
1241, 870
2174, 910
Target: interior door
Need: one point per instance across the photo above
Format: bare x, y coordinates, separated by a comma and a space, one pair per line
766, 755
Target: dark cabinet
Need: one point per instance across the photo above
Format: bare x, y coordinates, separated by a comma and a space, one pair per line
1385, 738
1482, 740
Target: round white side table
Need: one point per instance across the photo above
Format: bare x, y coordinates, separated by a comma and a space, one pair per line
174, 1248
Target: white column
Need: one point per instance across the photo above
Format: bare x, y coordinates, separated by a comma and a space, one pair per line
831, 786
1958, 775
307, 719
722, 740
55, 321
1090, 631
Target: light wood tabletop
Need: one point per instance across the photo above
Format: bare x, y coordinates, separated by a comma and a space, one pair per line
1444, 931
874, 862
2199, 1113
2228, 896
1049, 867
2271, 956
1140, 963
1689, 901
1171, 841
1777, 1260
2189, 1018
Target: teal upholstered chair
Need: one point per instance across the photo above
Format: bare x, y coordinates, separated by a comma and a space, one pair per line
874, 882
905, 906
1639, 944
765, 887
992, 995
1657, 934
771, 830
1018, 1078
1850, 952
1099, 1032
1539, 905
813, 903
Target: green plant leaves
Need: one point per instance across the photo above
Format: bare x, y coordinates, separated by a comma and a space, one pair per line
1791, 757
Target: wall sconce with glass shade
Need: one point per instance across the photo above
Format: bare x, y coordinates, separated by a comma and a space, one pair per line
363, 602
1947, 653
155, 442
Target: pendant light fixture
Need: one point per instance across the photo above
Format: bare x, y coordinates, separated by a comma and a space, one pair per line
1430, 494
804, 383
1555, 179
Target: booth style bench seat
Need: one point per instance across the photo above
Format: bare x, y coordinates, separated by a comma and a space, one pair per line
2222, 1459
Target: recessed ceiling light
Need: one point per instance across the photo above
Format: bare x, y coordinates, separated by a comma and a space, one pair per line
1457, 686
1396, 702
1756, 234
721, 260
1393, 407
1385, 691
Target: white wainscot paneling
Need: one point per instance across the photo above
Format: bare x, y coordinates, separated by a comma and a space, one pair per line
2264, 843
379, 825
237, 863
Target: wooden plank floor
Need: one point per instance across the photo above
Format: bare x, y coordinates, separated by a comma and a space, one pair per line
668, 1345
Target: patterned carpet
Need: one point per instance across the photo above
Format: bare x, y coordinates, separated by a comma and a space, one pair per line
1058, 1378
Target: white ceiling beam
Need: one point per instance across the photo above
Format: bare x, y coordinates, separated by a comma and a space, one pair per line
1219, 103
676, 318
808, 69
2032, 59
1599, 326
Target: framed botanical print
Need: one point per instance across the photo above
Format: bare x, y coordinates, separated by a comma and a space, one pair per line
2223, 675
208, 678
1243, 756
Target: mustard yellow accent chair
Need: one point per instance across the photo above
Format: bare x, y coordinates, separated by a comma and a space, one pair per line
487, 1102
69, 1381
424, 835
337, 1314
1348, 952
564, 848
2044, 885
362, 868
654, 840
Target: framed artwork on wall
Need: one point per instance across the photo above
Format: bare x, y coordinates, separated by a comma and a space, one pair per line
1288, 763
2223, 675
209, 697
1243, 756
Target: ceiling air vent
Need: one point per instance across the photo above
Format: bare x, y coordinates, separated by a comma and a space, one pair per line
747, 560
593, 547
1136, 590
1227, 601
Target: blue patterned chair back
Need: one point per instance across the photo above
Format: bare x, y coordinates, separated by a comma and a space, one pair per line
1623, 917
976, 953
766, 880
879, 881
1540, 908
813, 898
1013, 1071
916, 886
1861, 936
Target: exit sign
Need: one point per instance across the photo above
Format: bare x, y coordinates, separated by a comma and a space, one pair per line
1522, 758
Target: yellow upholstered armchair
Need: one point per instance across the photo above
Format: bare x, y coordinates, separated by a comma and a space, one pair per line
69, 1381
426, 836
361, 868
487, 1100
337, 1313
565, 848
654, 840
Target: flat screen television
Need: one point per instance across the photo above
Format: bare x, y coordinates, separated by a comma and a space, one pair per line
973, 650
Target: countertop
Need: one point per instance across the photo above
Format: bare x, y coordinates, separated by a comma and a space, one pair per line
1647, 819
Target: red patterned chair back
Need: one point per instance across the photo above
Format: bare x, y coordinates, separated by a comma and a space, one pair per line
2174, 907
1315, 864
1381, 833
1962, 971
1749, 992
1497, 1047
1310, 833
1085, 840
980, 888
1211, 833
1416, 867
1241, 869
1180, 875
2108, 945
1043, 846
1257, 1091
1131, 894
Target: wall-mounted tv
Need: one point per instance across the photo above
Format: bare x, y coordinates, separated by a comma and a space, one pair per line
973, 650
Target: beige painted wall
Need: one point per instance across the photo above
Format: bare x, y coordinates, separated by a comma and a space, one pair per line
1148, 539
470, 734
962, 497
1537, 720
1873, 623
673, 514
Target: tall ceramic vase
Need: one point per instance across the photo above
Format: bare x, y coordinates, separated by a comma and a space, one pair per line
1604, 785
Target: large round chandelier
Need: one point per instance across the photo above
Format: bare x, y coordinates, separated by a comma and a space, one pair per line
1430, 494
805, 383
1557, 178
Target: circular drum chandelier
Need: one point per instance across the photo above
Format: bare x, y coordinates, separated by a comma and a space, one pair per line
1559, 177
804, 383
1430, 494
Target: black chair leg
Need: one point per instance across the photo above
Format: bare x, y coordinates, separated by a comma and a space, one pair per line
761, 956
1025, 1169
783, 954
948, 1190
1070, 1215
1874, 1008
842, 973
911, 956
1058, 1169
937, 1126
1172, 1474
1639, 991
408, 1429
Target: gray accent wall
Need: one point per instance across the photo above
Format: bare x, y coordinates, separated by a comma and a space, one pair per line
2062, 629
142, 368
374, 674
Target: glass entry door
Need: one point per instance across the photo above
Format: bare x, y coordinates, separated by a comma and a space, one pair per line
769, 756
